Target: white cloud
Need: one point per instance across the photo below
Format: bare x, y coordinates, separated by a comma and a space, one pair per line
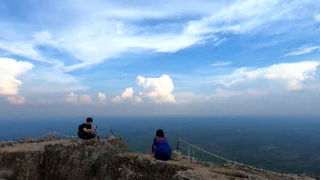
10, 69
116, 99
106, 39
102, 97
223, 93
138, 99
158, 89
16, 99
291, 74
221, 63
21, 48
94, 47
317, 17
44, 38
71, 98
48, 81
302, 50
116, 28
85, 99
28, 47
190, 97
126, 94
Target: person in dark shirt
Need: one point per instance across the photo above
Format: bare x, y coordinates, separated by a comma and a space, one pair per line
86, 131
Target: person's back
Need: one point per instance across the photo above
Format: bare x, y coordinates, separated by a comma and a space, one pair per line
160, 147
85, 130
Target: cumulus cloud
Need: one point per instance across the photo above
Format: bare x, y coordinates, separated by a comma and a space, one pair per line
157, 89
10, 69
71, 98
85, 99
291, 74
116, 99
17, 99
138, 99
102, 97
126, 94
303, 50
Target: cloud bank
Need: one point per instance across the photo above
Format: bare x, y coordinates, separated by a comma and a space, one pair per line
102, 30
292, 75
16, 99
85, 99
10, 69
71, 98
102, 97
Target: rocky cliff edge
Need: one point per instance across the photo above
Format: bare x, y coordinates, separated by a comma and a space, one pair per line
109, 159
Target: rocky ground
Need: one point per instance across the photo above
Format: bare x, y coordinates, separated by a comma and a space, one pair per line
109, 159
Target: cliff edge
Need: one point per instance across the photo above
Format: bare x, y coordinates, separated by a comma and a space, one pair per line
108, 159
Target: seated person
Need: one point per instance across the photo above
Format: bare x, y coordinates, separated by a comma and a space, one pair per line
85, 130
160, 147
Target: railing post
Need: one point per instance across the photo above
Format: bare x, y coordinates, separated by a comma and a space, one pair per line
193, 154
111, 134
178, 145
189, 153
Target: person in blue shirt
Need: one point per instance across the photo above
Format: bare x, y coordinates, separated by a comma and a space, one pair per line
160, 148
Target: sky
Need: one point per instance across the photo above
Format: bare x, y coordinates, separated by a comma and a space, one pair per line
164, 57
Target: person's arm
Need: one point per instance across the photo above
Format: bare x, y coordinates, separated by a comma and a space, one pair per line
87, 130
153, 145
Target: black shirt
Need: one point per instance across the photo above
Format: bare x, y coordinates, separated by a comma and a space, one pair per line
84, 125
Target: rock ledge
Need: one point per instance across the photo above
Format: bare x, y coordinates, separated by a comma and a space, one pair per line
107, 159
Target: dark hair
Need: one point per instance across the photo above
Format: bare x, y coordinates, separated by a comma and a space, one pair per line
89, 119
160, 133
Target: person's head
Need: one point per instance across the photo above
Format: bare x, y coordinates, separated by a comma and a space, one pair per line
89, 120
160, 133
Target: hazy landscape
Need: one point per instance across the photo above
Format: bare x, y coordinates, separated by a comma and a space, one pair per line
282, 144
238, 78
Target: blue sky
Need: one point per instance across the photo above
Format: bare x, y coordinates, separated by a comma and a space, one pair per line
172, 57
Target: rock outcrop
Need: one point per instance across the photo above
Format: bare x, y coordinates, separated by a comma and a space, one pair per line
107, 159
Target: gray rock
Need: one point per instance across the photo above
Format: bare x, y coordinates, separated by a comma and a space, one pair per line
109, 159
